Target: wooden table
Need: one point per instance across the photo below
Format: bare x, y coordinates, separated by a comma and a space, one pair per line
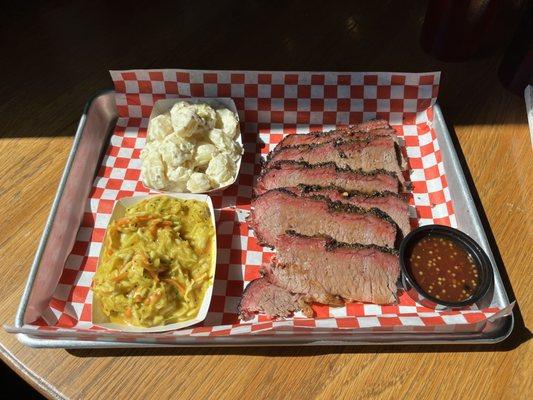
61, 57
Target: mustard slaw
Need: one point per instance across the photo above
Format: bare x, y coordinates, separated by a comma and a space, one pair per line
156, 262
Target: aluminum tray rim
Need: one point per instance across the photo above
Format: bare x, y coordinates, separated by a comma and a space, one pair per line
407, 339
499, 334
19, 317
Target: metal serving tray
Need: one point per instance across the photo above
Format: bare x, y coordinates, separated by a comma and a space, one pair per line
92, 136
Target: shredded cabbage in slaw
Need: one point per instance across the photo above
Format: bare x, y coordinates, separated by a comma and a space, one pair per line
156, 262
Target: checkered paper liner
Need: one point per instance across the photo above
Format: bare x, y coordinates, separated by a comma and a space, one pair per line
271, 105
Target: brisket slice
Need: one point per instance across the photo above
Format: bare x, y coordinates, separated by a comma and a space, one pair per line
330, 136
279, 210
341, 135
261, 296
294, 173
369, 128
367, 155
365, 127
390, 203
330, 272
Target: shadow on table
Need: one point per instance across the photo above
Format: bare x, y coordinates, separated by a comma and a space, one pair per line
55, 85
9, 378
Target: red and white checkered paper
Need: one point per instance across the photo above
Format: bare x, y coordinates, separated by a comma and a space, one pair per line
271, 105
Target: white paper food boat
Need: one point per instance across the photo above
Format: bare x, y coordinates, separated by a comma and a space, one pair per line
163, 106
100, 319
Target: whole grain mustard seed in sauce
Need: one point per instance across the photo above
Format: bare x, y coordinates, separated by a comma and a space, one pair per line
443, 268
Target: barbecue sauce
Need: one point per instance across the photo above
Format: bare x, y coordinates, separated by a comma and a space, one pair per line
443, 269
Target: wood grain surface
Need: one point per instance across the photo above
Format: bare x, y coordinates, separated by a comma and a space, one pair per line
56, 55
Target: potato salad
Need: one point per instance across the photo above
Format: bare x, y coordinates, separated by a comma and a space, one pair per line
191, 148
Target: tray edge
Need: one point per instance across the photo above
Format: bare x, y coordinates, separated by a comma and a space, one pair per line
505, 327
21, 310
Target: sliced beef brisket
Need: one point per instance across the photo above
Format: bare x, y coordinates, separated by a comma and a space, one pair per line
390, 203
330, 272
366, 155
377, 127
279, 210
337, 134
294, 173
261, 296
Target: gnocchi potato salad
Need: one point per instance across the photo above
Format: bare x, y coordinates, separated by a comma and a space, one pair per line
191, 148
